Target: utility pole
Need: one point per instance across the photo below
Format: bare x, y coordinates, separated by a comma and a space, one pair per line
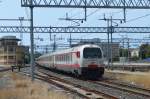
21, 34
54, 46
128, 43
85, 11
50, 34
70, 40
124, 10
32, 41
123, 51
46, 49
108, 36
108, 43
111, 32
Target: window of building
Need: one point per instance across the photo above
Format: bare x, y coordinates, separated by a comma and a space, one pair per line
11, 49
5, 49
5, 57
11, 57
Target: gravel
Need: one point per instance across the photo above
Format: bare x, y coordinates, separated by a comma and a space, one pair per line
120, 94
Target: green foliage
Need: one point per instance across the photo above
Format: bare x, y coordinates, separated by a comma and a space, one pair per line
123, 52
37, 54
144, 51
116, 58
135, 58
27, 57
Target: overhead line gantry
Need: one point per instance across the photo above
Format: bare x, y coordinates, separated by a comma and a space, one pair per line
131, 4
40, 29
124, 4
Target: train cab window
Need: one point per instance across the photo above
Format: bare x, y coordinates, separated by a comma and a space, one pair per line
61, 58
92, 53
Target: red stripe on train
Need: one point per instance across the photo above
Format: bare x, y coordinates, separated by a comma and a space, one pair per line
68, 65
92, 66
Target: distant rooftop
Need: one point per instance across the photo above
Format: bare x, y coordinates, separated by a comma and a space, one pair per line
9, 38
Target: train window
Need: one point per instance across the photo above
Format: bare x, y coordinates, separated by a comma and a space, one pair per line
71, 58
92, 53
50, 58
58, 58
68, 58
64, 57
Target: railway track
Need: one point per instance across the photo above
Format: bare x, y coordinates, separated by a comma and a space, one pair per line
124, 87
73, 87
4, 69
90, 86
129, 86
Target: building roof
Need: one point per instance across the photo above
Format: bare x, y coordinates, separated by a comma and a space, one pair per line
9, 38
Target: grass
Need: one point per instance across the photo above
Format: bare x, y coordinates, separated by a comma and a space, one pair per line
143, 80
139, 78
23, 88
1, 76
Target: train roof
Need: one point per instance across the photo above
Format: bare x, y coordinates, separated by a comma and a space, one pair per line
70, 49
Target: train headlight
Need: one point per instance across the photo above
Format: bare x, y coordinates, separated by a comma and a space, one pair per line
78, 54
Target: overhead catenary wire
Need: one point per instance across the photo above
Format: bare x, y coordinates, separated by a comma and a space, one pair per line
134, 19
116, 12
78, 21
137, 18
27, 13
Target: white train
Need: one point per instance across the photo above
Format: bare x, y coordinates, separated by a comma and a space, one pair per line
85, 60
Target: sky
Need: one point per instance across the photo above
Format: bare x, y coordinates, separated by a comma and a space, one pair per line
11, 9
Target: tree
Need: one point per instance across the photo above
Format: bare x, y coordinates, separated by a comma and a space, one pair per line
37, 54
27, 57
123, 52
144, 51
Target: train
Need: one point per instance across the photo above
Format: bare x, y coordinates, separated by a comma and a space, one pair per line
84, 60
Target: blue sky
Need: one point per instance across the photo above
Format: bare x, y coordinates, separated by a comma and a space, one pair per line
50, 17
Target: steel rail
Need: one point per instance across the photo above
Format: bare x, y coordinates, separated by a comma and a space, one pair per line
104, 95
5, 69
128, 85
123, 88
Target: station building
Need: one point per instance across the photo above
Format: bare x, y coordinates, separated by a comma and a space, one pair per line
11, 53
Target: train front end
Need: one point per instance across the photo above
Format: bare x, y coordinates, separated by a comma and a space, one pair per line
92, 63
